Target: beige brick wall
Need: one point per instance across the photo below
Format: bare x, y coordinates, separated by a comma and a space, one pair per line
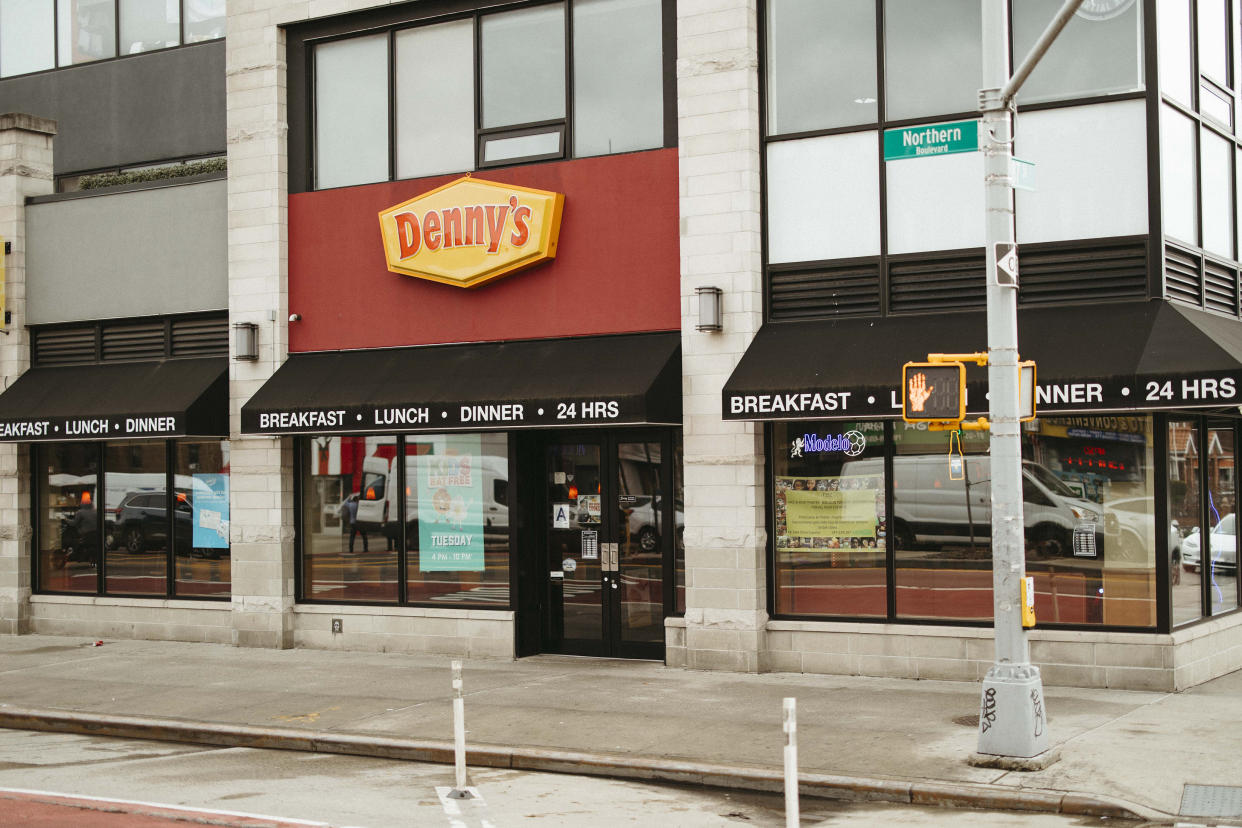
100, 618
455, 632
25, 170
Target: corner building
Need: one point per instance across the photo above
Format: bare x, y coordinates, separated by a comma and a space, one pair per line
478, 403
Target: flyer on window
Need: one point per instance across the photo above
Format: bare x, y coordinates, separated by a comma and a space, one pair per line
450, 507
830, 512
210, 511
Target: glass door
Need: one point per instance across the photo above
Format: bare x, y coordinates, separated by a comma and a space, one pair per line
610, 532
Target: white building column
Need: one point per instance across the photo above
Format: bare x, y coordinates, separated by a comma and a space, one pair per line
718, 139
25, 170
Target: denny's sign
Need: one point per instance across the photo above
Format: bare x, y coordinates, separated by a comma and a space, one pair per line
470, 231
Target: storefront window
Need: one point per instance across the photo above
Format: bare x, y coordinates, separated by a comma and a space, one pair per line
1183, 467
1221, 568
828, 521
201, 510
446, 495
136, 527
68, 524
679, 547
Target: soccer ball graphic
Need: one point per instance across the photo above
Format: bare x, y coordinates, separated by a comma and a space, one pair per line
857, 443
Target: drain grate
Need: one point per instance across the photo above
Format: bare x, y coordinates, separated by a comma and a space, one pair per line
1211, 801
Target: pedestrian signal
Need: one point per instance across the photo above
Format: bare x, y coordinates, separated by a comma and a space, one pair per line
933, 391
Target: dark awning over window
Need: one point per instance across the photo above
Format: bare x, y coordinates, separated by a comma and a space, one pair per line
118, 401
1123, 356
634, 378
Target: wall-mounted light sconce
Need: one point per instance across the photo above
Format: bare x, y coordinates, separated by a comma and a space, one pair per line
711, 314
245, 341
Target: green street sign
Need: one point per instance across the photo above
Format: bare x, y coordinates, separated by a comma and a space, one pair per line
935, 139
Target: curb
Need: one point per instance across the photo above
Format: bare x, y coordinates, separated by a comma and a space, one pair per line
824, 786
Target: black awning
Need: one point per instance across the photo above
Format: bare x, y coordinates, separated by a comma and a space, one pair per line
632, 378
170, 398
1106, 357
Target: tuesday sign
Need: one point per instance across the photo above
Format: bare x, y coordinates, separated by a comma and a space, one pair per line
470, 232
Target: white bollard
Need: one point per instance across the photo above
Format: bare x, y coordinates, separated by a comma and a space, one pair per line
791, 763
459, 736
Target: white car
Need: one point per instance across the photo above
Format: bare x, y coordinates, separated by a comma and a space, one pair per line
1134, 514
1224, 544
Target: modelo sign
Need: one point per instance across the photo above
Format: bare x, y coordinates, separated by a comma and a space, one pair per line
470, 232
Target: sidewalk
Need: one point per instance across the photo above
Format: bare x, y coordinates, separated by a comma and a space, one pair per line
1121, 751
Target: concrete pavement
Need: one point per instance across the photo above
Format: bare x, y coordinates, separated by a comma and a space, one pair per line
1123, 753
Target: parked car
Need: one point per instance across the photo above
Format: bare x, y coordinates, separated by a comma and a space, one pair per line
1223, 542
141, 522
641, 518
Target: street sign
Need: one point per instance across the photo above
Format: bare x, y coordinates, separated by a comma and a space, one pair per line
1006, 264
934, 139
933, 391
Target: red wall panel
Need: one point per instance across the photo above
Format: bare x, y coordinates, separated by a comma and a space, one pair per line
616, 269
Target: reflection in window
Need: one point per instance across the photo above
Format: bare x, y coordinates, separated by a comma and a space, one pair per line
679, 549
27, 36
930, 76
202, 518
351, 111
1094, 54
86, 30
149, 24
523, 66
204, 20
136, 525
821, 70
829, 527
68, 518
1221, 568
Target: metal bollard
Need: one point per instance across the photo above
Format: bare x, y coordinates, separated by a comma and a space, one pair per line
459, 736
792, 819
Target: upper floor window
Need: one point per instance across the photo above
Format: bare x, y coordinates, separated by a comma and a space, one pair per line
42, 34
574, 78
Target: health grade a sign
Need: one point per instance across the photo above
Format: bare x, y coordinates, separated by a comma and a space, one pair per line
470, 232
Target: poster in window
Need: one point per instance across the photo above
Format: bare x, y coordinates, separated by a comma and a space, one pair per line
450, 507
210, 511
830, 512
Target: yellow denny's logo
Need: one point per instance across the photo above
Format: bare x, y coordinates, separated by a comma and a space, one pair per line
469, 231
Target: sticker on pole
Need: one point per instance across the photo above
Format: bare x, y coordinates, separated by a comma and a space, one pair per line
1006, 264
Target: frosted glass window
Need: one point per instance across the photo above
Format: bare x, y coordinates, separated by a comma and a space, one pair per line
1216, 168
824, 198
86, 30
351, 111
932, 75
1173, 34
1215, 104
1178, 176
1090, 172
522, 146
618, 76
1096, 54
1237, 160
1214, 40
27, 36
935, 203
149, 24
821, 64
523, 66
435, 99
204, 20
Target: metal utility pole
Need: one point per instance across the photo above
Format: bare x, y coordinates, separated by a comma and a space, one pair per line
1012, 721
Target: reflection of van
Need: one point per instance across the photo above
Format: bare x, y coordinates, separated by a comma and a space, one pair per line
931, 508
378, 497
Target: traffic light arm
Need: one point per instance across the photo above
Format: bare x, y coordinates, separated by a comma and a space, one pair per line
978, 358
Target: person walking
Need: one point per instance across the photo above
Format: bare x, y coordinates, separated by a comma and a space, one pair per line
349, 511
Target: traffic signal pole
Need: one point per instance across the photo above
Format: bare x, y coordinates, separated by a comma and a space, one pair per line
1013, 725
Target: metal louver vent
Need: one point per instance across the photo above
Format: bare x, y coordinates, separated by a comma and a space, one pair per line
133, 342
1181, 276
1060, 274
63, 346
840, 290
200, 337
1220, 288
937, 282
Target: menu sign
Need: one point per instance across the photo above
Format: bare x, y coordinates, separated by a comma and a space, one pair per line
89, 428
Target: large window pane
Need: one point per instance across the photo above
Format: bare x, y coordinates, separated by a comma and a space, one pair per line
201, 518
27, 36
350, 508
929, 75
204, 20
149, 24
523, 65
457, 519
821, 64
829, 528
1173, 19
1178, 176
618, 76
86, 30
1214, 40
435, 99
351, 111
67, 519
1095, 54
1216, 171
1184, 537
136, 502
1221, 568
